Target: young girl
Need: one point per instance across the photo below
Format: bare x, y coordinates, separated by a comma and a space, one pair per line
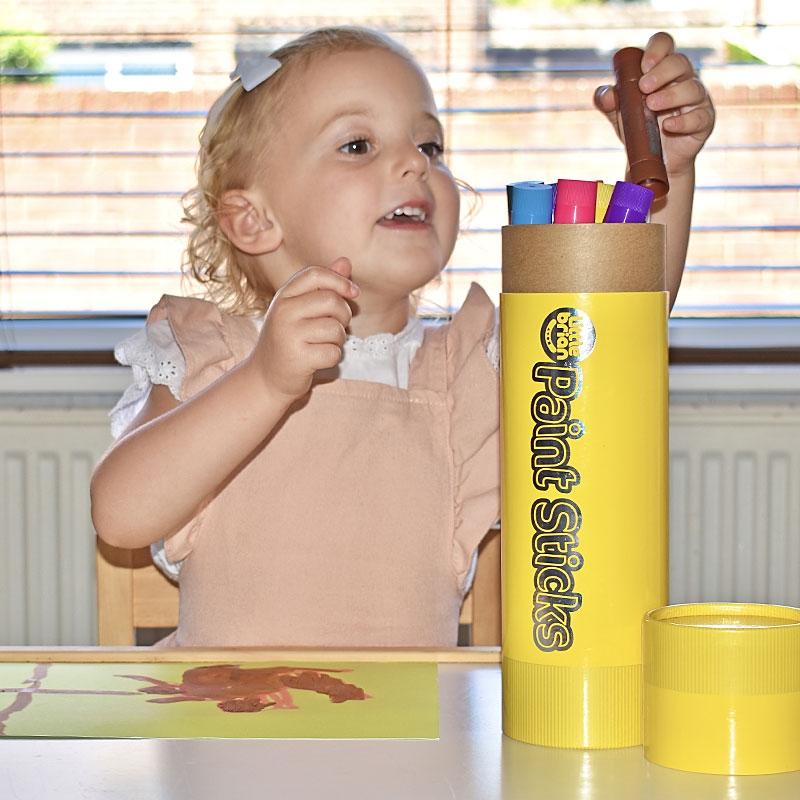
318, 465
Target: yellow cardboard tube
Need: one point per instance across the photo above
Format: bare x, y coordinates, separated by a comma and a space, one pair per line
584, 509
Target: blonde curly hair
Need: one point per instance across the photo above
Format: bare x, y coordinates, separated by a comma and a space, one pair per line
234, 139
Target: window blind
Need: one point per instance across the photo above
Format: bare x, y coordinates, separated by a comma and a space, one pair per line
97, 151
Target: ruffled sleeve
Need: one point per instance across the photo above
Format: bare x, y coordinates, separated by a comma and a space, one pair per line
155, 358
474, 399
470, 380
186, 345
210, 344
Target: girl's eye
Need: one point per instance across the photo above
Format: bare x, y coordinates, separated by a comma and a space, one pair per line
358, 147
431, 149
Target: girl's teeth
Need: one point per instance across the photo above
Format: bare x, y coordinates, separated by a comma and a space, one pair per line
407, 211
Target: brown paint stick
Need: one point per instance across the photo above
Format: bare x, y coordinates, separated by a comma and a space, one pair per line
639, 124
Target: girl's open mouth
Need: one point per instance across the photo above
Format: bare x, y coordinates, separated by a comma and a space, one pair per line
406, 215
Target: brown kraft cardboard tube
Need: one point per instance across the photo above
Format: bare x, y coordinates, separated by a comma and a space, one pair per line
584, 258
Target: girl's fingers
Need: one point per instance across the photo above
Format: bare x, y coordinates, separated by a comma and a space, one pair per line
319, 278
342, 266
686, 94
315, 304
604, 99
696, 120
606, 102
673, 70
659, 46
324, 330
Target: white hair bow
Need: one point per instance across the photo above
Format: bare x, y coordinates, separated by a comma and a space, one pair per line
251, 71
254, 69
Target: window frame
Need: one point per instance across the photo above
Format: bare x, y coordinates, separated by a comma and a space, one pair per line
91, 339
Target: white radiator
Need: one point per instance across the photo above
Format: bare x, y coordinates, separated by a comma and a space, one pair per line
53, 429
734, 499
47, 583
734, 503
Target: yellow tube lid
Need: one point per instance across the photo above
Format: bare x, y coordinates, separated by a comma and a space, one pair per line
721, 688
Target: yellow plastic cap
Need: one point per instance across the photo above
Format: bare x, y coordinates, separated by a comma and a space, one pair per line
721, 690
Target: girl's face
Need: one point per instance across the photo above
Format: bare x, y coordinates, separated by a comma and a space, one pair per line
357, 170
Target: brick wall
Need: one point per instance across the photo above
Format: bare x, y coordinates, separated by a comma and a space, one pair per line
212, 24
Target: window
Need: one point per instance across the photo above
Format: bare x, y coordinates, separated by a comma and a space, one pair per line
149, 66
96, 155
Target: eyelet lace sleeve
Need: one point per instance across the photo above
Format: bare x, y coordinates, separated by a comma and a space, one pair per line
155, 358
493, 345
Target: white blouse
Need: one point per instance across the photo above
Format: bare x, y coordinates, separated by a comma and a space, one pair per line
155, 358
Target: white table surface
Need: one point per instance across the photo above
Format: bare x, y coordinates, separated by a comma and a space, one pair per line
471, 760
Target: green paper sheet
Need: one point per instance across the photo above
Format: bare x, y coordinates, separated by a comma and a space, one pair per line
252, 700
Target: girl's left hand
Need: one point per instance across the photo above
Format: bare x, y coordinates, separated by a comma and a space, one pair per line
678, 97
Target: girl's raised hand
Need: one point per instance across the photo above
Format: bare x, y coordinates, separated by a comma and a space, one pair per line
305, 328
677, 96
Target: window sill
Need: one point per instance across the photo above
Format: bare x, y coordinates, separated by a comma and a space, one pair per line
102, 385
90, 342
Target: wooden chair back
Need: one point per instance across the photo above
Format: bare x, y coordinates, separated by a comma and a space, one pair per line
132, 593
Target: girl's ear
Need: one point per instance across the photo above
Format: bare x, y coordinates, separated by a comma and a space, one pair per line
247, 223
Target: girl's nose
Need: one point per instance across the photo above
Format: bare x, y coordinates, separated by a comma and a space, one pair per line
415, 162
